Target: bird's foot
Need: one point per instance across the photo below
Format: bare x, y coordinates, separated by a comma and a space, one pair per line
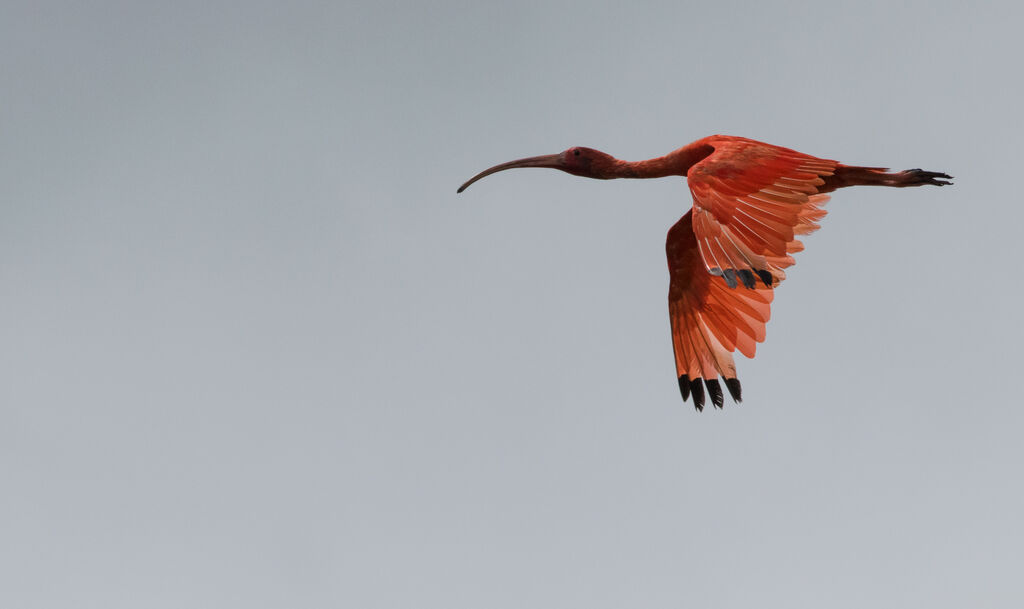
920, 177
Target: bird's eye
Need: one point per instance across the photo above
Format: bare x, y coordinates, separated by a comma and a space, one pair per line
576, 152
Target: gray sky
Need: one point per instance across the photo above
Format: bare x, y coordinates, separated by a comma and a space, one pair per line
257, 353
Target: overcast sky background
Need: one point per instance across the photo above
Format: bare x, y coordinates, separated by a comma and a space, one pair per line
256, 352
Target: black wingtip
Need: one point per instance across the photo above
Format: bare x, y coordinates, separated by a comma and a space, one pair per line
747, 279
698, 394
684, 387
730, 277
733, 385
695, 387
715, 391
766, 278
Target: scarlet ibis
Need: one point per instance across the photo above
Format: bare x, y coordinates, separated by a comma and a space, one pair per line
750, 200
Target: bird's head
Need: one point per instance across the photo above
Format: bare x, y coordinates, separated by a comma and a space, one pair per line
578, 161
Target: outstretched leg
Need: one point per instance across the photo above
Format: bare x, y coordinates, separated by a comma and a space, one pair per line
846, 175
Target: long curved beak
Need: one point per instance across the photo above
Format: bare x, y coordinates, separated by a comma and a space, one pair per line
552, 161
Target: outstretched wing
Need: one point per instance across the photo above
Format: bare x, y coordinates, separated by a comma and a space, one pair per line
709, 319
750, 200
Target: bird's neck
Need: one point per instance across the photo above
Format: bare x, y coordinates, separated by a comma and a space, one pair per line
675, 163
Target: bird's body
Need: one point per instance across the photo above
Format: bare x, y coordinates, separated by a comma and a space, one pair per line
727, 254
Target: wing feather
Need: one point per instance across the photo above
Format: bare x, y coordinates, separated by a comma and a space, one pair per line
709, 319
750, 201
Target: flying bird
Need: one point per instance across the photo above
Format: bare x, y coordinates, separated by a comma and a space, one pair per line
727, 254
